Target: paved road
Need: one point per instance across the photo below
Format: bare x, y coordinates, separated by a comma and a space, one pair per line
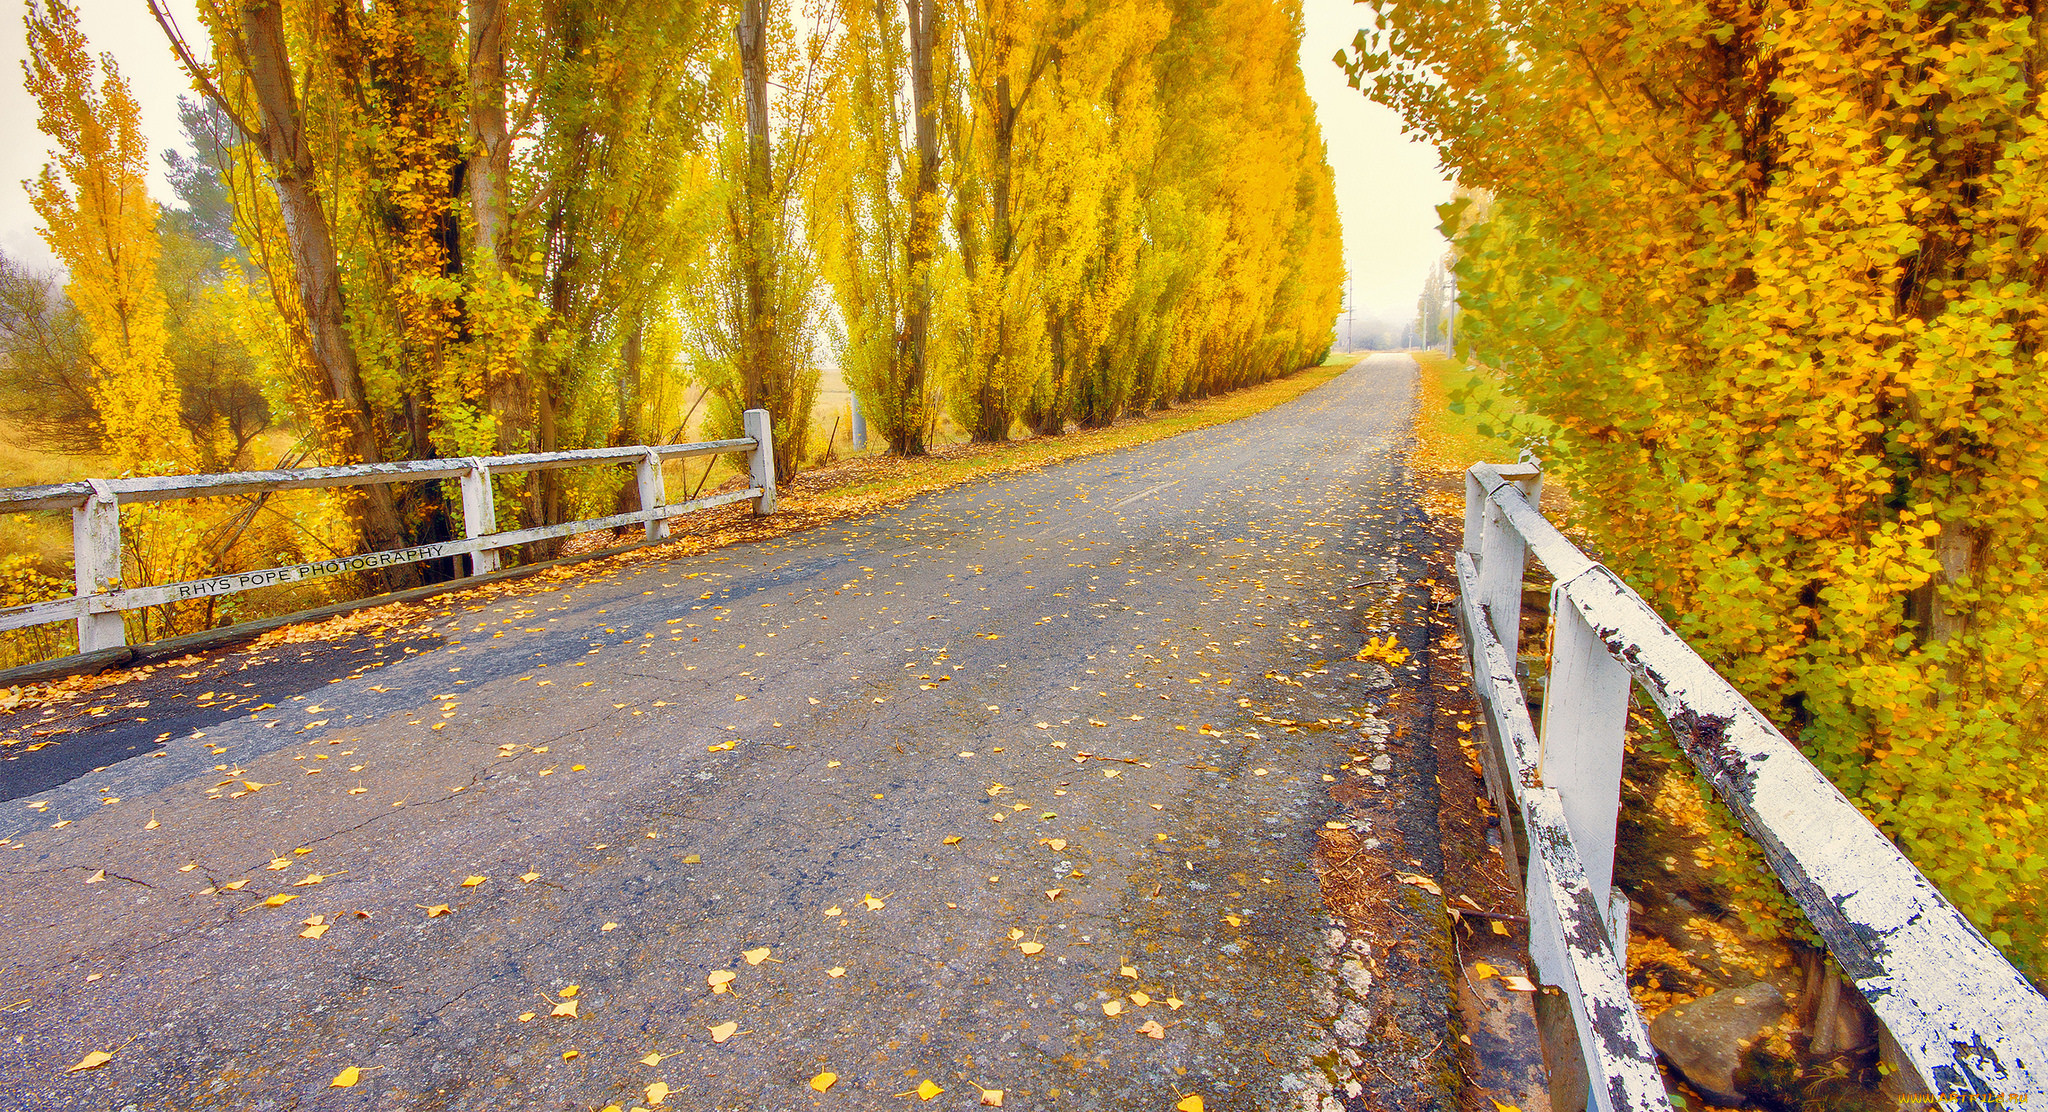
996, 780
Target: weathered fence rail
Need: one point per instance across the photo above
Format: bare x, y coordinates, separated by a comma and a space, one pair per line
1964, 1020
95, 506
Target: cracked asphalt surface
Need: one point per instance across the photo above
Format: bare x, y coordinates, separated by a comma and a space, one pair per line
999, 778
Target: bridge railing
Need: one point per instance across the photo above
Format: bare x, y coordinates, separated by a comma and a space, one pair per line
96, 520
1962, 1018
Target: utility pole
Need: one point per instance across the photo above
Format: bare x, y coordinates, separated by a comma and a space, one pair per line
1451, 313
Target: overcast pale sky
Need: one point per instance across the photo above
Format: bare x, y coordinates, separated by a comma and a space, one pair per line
1387, 186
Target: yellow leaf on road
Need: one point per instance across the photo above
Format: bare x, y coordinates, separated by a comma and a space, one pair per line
278, 864
824, 1080
528, 878
927, 1090
721, 980
314, 931
992, 1098
1192, 1103
608, 927
346, 1078
755, 956
1031, 947
471, 882
1173, 1003
96, 877
1127, 971
279, 900
234, 885
693, 859
436, 911
569, 991
657, 1092
1482, 971
952, 839
91, 1061
1152, 1029
1502, 1106
873, 902
836, 971
566, 1009
1140, 999
723, 1031
1112, 1007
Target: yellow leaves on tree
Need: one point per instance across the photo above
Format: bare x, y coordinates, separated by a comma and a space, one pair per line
1769, 277
99, 220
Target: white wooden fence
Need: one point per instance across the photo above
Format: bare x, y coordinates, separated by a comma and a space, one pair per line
96, 520
1965, 1021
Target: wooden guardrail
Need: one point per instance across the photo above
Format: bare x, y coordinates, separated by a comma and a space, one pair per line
1964, 1020
96, 520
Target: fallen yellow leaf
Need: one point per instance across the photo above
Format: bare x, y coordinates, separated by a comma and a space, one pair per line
1173, 1003
927, 1090
952, 839
314, 931
992, 1098
755, 956
721, 980
824, 1080
566, 1009
1112, 1007
1482, 970
836, 971
234, 885
832, 911
873, 902
91, 1061
723, 1031
1191, 1103
279, 900
1152, 1029
528, 878
346, 1078
1128, 971
1140, 999
525, 1016
569, 991
657, 1092
693, 859
279, 863
96, 877
608, 927
436, 911
1057, 844
1031, 947
1502, 1106
471, 882
571, 1055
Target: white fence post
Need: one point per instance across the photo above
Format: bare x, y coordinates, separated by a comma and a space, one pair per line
1503, 558
762, 458
1585, 717
96, 565
653, 493
479, 514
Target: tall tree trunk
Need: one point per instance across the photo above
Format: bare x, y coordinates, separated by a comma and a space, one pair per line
924, 219
490, 143
488, 178
316, 266
992, 424
629, 426
757, 267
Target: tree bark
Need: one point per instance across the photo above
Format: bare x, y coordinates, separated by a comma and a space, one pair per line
924, 219
757, 268
490, 143
316, 267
